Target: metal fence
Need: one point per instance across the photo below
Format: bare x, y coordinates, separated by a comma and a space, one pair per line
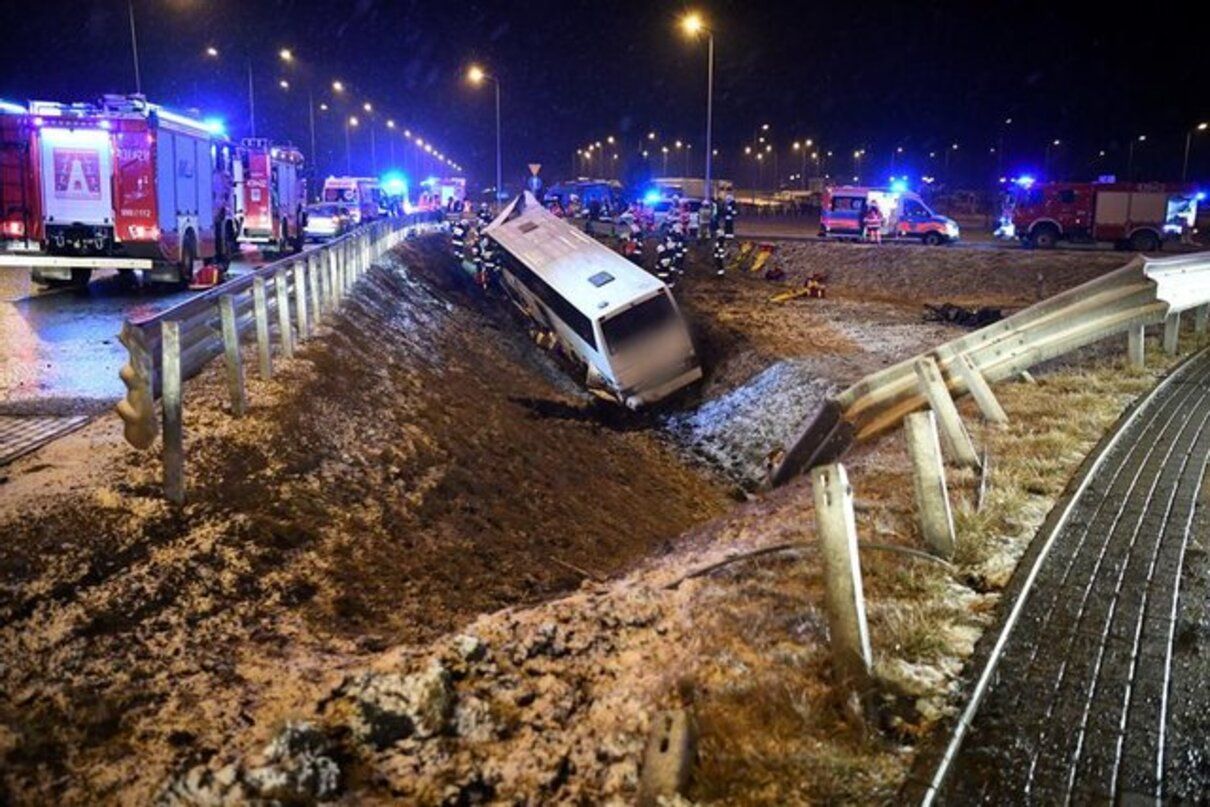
284, 301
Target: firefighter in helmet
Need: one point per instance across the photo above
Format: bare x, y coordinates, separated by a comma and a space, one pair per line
730, 214
458, 234
720, 255
665, 259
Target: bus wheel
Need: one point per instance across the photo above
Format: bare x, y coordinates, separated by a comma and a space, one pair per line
933, 239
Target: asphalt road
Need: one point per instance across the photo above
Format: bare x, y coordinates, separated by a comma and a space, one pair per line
61, 354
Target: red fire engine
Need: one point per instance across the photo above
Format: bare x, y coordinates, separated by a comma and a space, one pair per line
1130, 215
272, 194
119, 184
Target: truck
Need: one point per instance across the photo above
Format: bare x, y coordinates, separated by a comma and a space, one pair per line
905, 215
361, 195
1130, 215
119, 183
272, 194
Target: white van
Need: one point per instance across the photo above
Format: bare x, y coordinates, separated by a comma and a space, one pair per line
618, 320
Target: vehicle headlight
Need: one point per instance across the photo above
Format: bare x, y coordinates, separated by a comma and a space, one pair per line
951, 229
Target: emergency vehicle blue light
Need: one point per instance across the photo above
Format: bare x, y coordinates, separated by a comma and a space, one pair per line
651, 197
394, 183
1025, 181
8, 106
899, 186
1200, 196
215, 126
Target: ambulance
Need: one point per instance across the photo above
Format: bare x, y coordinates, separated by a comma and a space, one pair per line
905, 215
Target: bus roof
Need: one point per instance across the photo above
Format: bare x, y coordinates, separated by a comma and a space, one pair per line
592, 277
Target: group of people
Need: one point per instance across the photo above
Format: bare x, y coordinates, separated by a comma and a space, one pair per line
470, 245
713, 220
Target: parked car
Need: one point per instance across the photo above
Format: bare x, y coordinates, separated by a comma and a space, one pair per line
327, 220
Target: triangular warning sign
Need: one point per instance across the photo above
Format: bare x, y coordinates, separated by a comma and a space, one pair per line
534, 168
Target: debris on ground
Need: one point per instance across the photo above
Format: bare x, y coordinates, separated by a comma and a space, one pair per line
962, 316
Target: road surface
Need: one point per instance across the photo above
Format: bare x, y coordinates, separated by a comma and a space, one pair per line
1102, 692
61, 354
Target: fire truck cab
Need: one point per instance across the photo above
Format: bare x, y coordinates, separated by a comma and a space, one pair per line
1130, 215
905, 215
118, 183
273, 194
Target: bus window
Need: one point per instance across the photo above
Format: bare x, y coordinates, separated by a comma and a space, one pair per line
636, 322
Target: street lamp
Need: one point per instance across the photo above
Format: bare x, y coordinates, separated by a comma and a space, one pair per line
349, 124
286, 55
1130, 157
1201, 127
212, 51
477, 75
695, 26
338, 86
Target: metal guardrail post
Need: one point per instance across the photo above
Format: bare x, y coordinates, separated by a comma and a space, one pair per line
1172, 333
932, 500
284, 328
1200, 316
953, 433
980, 390
843, 594
235, 364
172, 402
325, 277
260, 311
300, 300
313, 287
1136, 337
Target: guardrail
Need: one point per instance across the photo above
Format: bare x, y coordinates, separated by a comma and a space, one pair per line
1143, 292
174, 345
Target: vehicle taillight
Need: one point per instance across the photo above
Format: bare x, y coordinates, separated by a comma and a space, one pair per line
14, 229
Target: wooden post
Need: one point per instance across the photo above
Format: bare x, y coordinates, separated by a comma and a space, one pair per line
173, 411
979, 389
283, 312
260, 310
313, 284
932, 500
1172, 333
1200, 316
843, 594
235, 365
1135, 339
300, 300
953, 433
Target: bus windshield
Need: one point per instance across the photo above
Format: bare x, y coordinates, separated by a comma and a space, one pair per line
629, 326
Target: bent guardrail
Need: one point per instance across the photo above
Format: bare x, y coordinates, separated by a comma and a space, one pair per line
174, 345
1144, 292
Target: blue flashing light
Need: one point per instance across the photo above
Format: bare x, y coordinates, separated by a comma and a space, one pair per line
9, 106
1025, 181
215, 126
1200, 196
651, 197
394, 183
899, 186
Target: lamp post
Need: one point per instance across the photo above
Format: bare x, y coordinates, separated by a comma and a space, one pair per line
350, 123
134, 49
369, 110
1130, 156
1201, 127
477, 75
694, 26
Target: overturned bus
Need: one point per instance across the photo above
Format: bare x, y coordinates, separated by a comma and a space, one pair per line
608, 315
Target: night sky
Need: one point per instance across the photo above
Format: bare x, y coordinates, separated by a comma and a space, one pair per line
850, 75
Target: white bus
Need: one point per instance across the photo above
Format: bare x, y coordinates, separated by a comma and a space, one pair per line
607, 313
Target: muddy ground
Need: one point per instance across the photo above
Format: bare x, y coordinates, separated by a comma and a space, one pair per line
432, 549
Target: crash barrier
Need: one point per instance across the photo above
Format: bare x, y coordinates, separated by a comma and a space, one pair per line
288, 298
920, 392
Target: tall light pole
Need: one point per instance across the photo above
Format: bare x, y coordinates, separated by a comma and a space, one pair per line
369, 110
694, 26
134, 49
478, 75
1130, 156
1201, 127
350, 122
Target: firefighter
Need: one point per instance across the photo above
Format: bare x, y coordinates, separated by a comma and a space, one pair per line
705, 214
636, 238
720, 255
458, 235
485, 214
730, 213
490, 271
665, 259
679, 249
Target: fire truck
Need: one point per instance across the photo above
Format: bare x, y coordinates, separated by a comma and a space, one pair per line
1130, 215
272, 194
120, 184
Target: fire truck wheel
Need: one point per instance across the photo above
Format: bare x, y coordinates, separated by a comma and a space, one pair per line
933, 239
80, 277
188, 256
1145, 241
1045, 238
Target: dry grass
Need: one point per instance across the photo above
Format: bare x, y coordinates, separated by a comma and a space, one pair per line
773, 728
